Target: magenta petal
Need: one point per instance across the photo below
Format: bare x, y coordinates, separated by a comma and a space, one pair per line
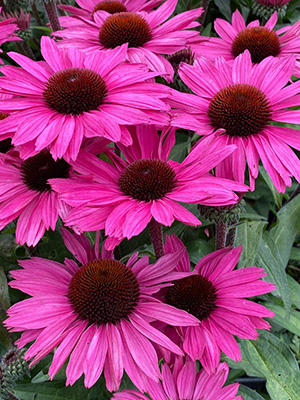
142, 351
94, 362
113, 370
65, 348
168, 314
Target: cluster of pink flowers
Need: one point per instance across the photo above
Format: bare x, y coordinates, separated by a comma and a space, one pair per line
86, 137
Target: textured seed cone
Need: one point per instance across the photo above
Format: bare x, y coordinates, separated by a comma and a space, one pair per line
25, 35
13, 367
186, 56
228, 214
265, 12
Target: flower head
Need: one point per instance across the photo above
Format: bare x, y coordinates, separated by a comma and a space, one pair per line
98, 314
260, 41
273, 2
124, 196
73, 95
216, 296
243, 104
89, 7
148, 35
26, 194
182, 381
7, 31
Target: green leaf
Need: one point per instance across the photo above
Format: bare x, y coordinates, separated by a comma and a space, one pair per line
295, 254
4, 305
276, 196
198, 249
269, 258
285, 231
294, 291
276, 363
249, 394
57, 390
249, 234
224, 7
289, 321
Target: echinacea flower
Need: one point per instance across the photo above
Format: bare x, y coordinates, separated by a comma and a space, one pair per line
7, 30
89, 7
274, 3
182, 381
216, 295
260, 41
73, 95
98, 315
148, 35
126, 194
243, 104
26, 194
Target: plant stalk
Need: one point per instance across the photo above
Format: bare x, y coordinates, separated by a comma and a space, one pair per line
51, 10
156, 235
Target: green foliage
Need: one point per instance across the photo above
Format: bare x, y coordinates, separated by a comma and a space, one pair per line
274, 360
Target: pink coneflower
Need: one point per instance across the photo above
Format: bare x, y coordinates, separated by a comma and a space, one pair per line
148, 35
216, 295
26, 194
89, 7
274, 3
22, 19
243, 104
261, 41
73, 95
97, 314
182, 381
7, 31
126, 195
5, 143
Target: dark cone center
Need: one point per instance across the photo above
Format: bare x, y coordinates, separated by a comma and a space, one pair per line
260, 41
5, 145
125, 27
110, 6
36, 171
74, 91
147, 180
194, 294
241, 109
185, 56
104, 291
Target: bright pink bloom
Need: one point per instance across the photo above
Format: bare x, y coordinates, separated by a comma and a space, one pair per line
261, 41
26, 194
182, 381
148, 35
98, 314
22, 19
73, 95
124, 196
242, 104
273, 3
7, 31
89, 7
216, 295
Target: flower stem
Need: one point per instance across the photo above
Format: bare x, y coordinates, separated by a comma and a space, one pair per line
221, 233
205, 5
156, 235
52, 13
231, 234
36, 14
